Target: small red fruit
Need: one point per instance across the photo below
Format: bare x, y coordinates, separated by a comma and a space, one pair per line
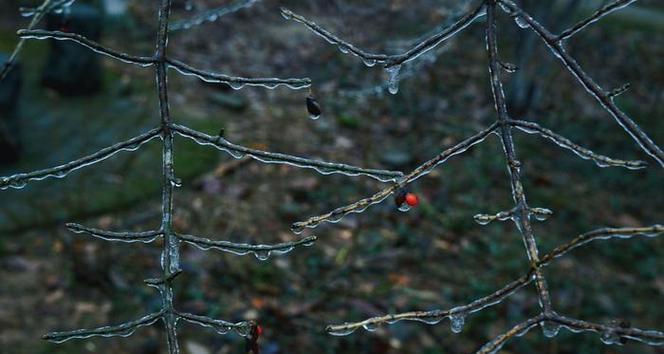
411, 199
259, 330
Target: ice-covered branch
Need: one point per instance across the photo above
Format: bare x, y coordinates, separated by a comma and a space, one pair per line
46, 7
123, 330
261, 251
603, 234
586, 154
361, 205
456, 315
67, 36
494, 345
127, 236
540, 214
370, 59
37, 14
238, 151
601, 12
609, 334
234, 81
19, 180
242, 328
603, 97
210, 15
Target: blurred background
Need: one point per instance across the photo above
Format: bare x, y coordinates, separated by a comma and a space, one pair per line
62, 103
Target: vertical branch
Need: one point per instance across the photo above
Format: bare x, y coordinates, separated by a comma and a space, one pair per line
170, 253
521, 214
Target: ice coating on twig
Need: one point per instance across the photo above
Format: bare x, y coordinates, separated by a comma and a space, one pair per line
211, 15
127, 236
121, 330
261, 251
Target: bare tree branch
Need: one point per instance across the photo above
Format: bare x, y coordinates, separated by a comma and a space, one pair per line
122, 330
261, 251
19, 180
322, 167
599, 14
127, 236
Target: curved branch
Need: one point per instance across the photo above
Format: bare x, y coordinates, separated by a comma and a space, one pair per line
389, 60
321, 167
586, 154
610, 334
210, 15
234, 81
123, 330
603, 11
94, 46
145, 236
19, 180
425, 168
604, 98
261, 251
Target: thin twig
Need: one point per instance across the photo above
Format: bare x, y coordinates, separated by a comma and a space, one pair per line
603, 97
389, 60
123, 330
600, 13
261, 251
425, 168
19, 180
127, 236
322, 167
584, 153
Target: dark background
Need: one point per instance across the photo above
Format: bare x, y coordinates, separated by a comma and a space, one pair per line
380, 261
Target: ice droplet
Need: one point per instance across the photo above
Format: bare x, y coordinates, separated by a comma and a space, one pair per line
482, 219
609, 337
369, 62
341, 332
404, 207
521, 22
550, 329
262, 255
457, 321
393, 78
313, 107
236, 85
371, 327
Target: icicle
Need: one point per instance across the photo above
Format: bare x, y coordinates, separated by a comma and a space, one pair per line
393, 78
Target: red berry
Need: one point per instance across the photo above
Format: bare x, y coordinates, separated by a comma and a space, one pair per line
411, 199
259, 330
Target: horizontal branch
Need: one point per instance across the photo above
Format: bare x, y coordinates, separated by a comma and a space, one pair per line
389, 60
123, 330
96, 47
435, 316
322, 167
601, 12
603, 97
361, 205
243, 328
261, 251
236, 82
587, 154
145, 236
20, 180
210, 15
540, 214
603, 234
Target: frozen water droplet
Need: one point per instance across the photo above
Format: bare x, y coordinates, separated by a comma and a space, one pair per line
521, 22
393, 78
27, 11
343, 48
341, 332
482, 219
550, 329
369, 62
404, 207
236, 85
371, 327
262, 255
541, 214
457, 321
297, 229
609, 337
